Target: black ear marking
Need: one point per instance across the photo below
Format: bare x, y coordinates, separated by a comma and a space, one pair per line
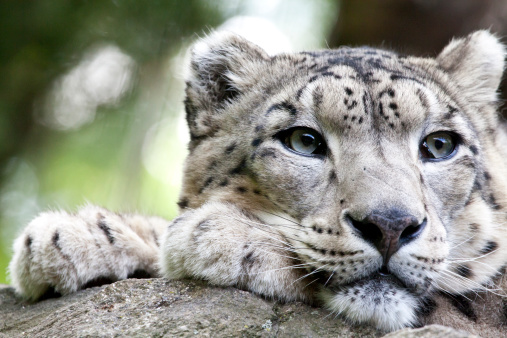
55, 240
183, 203
28, 243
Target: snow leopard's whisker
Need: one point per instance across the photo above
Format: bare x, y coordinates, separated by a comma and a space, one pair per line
311, 273
279, 225
449, 286
466, 281
259, 245
276, 215
313, 281
297, 266
331, 276
474, 260
264, 226
463, 242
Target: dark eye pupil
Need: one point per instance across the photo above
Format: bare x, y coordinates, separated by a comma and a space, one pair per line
307, 139
439, 144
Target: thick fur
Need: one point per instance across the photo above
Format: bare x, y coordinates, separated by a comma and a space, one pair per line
260, 216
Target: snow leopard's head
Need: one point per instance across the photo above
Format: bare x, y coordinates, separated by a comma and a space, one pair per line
383, 172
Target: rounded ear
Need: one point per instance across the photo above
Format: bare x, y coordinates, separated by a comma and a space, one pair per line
476, 64
222, 66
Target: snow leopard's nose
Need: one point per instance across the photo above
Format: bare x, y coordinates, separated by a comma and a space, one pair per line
388, 231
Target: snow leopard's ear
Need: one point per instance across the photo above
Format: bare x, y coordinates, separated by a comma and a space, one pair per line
476, 64
222, 67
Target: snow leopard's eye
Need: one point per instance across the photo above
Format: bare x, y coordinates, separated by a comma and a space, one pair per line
439, 145
305, 141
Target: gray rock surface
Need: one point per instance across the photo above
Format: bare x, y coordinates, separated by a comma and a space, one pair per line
163, 308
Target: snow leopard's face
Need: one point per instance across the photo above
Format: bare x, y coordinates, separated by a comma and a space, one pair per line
383, 173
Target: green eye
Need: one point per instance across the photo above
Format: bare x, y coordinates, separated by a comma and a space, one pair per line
439, 145
305, 141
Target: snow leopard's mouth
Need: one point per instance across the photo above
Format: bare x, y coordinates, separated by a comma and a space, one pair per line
378, 278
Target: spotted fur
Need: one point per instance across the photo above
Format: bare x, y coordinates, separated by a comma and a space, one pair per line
370, 227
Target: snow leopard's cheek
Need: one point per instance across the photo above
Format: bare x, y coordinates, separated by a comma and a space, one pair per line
450, 185
290, 180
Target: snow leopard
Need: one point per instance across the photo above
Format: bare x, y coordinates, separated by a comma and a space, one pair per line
359, 179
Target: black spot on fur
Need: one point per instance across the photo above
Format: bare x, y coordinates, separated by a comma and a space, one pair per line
360, 120
464, 271
313, 78
241, 190
267, 152
365, 104
332, 175
451, 109
299, 93
224, 182
474, 150
101, 223
140, 274
206, 184
230, 148
176, 221
490, 247
256, 142
350, 105
283, 106
492, 202
322, 69
348, 91
474, 227
328, 74
393, 106
183, 203
240, 168
257, 191
390, 92
247, 261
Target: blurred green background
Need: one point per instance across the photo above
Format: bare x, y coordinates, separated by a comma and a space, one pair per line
91, 91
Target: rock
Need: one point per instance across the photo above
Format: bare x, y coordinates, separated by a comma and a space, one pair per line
164, 308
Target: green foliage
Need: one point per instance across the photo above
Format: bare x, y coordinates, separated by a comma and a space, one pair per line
101, 162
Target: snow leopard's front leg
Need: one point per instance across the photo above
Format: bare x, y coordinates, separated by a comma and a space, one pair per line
227, 246
68, 252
